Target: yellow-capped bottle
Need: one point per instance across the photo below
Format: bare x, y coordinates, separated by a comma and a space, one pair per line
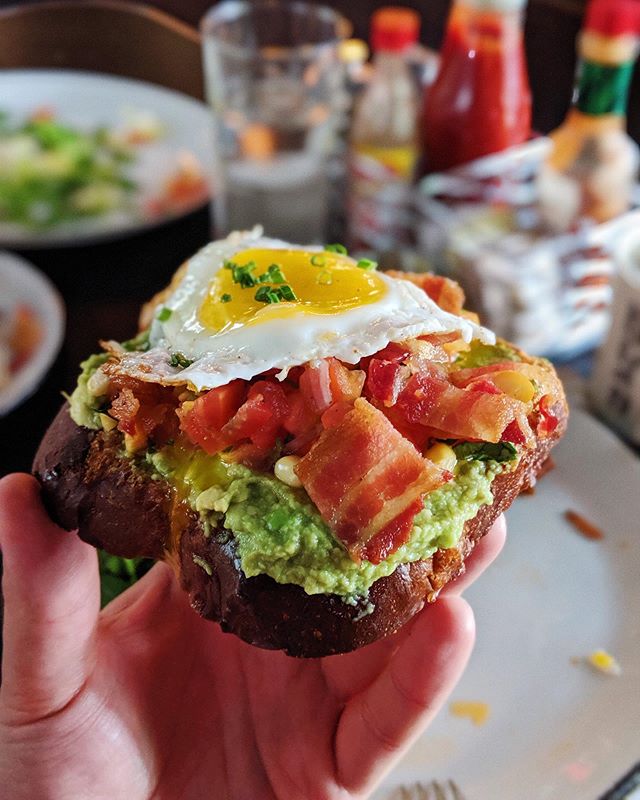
593, 165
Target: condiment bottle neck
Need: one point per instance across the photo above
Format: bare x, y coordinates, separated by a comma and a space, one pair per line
604, 73
482, 26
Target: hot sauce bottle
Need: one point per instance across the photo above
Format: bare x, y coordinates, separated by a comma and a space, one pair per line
592, 167
480, 102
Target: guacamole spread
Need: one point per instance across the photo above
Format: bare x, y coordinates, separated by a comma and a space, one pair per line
278, 530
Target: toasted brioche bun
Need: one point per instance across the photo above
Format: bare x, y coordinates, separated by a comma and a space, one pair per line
89, 486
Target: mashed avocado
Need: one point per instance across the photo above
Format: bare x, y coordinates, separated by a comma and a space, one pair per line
278, 530
84, 407
280, 533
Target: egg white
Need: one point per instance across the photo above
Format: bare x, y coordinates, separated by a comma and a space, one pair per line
404, 312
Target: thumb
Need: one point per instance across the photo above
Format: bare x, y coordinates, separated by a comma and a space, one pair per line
51, 589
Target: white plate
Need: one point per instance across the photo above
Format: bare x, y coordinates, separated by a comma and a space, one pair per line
20, 282
557, 730
89, 100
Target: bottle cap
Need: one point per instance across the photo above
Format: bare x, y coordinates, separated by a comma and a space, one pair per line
394, 28
613, 17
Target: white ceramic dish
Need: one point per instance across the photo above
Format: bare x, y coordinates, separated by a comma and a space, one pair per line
20, 282
558, 729
89, 100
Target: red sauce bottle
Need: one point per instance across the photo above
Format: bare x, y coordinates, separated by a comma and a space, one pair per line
480, 102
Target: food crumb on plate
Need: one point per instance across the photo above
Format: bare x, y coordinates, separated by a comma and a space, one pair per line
476, 711
604, 662
583, 526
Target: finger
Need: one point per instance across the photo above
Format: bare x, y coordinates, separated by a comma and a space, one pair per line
52, 597
146, 594
351, 673
484, 553
346, 675
377, 726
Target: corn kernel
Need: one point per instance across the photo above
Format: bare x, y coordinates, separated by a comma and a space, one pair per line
604, 662
134, 443
442, 455
98, 384
515, 384
108, 423
285, 470
476, 711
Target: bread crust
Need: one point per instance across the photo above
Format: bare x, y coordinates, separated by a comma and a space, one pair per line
89, 486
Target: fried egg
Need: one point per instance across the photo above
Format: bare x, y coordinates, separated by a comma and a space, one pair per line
248, 304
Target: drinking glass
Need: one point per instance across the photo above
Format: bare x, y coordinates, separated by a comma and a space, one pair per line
276, 86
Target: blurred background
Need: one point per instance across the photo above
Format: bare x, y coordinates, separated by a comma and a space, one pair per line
491, 141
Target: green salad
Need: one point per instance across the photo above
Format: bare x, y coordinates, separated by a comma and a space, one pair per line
51, 172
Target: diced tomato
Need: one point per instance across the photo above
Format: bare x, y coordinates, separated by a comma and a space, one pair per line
548, 421
513, 433
217, 406
385, 380
346, 384
301, 416
301, 444
259, 419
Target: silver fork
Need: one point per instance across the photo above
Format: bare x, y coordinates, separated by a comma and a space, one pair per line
434, 790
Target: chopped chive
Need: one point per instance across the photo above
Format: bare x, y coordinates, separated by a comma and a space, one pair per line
242, 274
275, 273
263, 295
367, 263
271, 294
225, 298
336, 248
318, 260
164, 314
287, 293
180, 360
325, 278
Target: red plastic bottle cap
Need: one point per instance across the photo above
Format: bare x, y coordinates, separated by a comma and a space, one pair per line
394, 28
613, 17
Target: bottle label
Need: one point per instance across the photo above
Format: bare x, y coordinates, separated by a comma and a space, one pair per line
604, 88
379, 207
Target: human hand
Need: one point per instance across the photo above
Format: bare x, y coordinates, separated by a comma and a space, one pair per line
145, 699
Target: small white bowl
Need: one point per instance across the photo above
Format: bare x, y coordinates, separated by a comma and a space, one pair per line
21, 282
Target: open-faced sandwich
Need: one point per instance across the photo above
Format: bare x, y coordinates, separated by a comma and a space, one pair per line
315, 446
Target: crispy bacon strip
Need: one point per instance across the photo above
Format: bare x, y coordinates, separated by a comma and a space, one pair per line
430, 399
367, 481
446, 293
546, 380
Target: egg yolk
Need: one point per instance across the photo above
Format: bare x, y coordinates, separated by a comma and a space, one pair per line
320, 283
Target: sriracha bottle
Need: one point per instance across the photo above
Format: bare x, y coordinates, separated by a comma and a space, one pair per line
480, 102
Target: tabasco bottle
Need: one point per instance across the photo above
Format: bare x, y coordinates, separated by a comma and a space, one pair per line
480, 102
593, 165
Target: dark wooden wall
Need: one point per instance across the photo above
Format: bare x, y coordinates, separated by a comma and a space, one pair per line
551, 28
